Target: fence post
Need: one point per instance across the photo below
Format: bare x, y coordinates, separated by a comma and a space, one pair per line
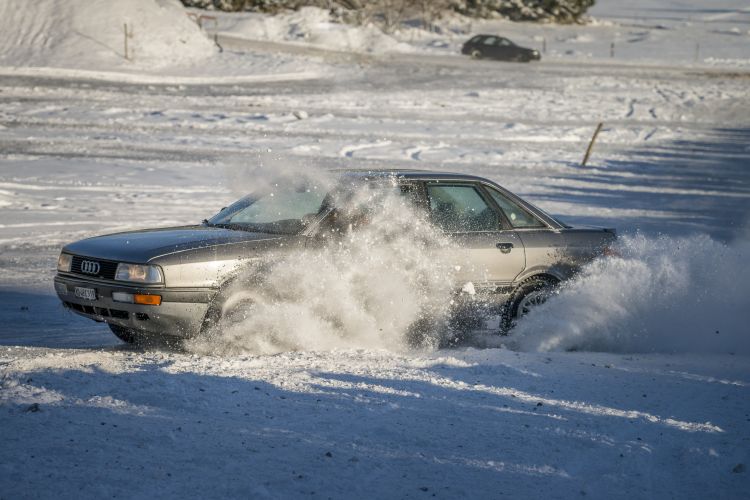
591, 144
127, 34
125, 37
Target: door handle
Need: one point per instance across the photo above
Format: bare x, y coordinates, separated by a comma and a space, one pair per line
505, 247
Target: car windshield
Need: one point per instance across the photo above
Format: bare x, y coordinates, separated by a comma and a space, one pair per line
279, 209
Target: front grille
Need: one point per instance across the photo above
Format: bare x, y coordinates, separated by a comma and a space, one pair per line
98, 311
107, 269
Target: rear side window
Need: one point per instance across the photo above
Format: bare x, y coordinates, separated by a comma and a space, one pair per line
460, 208
517, 216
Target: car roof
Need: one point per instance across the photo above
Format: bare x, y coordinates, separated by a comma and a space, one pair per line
416, 174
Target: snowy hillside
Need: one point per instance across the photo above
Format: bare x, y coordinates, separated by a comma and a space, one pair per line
632, 382
90, 34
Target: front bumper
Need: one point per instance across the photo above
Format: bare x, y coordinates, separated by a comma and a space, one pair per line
180, 314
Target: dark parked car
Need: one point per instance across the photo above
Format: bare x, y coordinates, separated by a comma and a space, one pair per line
172, 281
497, 47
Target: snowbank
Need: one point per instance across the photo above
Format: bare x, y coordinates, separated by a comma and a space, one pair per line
313, 26
89, 34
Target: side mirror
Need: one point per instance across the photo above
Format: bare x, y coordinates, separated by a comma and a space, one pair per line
308, 219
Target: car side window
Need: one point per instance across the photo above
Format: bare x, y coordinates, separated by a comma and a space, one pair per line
517, 216
490, 40
356, 209
460, 208
476, 39
504, 42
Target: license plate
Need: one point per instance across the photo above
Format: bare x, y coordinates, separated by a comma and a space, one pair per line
85, 293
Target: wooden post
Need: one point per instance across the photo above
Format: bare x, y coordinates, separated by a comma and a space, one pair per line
128, 33
612, 49
591, 144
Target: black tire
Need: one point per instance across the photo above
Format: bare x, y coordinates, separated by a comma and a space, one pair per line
476, 54
237, 312
542, 287
127, 335
225, 310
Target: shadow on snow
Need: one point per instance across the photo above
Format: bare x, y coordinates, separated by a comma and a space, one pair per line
688, 186
449, 433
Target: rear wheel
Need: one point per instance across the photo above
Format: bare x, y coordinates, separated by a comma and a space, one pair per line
529, 294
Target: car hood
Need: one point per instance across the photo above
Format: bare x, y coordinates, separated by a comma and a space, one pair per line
143, 246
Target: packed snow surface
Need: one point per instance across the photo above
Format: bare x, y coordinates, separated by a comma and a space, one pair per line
633, 381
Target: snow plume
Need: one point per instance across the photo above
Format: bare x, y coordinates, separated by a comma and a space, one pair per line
265, 170
377, 279
662, 295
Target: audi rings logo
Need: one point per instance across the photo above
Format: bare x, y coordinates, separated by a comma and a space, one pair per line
90, 267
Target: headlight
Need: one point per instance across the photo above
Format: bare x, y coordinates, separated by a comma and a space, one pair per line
64, 262
138, 273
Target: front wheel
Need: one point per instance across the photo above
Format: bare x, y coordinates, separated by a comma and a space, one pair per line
529, 294
475, 54
127, 335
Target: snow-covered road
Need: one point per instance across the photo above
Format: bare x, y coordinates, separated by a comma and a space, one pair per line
85, 157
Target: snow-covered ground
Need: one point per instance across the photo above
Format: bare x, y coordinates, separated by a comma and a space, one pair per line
343, 424
661, 409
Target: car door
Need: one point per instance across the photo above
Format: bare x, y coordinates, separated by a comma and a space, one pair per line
545, 247
489, 47
485, 249
505, 49
473, 44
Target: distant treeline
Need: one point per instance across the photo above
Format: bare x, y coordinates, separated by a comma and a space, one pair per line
391, 12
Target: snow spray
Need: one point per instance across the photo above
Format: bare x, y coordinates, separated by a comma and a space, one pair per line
662, 294
383, 284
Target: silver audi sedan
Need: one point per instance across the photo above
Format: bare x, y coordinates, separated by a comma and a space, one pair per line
172, 282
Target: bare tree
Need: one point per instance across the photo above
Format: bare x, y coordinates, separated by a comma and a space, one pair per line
431, 10
391, 13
